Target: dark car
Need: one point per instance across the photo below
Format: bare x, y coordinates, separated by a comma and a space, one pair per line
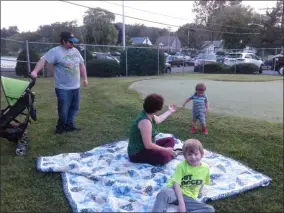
276, 63
105, 56
220, 58
180, 59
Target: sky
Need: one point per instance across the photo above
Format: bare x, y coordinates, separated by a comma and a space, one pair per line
29, 15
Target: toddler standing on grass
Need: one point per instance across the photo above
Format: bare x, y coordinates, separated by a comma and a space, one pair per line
186, 182
199, 108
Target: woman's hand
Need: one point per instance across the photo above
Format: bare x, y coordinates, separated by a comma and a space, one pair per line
170, 150
172, 108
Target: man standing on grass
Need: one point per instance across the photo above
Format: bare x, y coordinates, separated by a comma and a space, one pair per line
68, 65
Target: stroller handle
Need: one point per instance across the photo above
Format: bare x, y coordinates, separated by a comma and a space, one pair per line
32, 83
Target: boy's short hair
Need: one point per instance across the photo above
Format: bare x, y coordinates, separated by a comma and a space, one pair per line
200, 86
192, 145
153, 103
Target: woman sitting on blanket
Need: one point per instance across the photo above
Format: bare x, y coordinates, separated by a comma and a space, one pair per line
142, 147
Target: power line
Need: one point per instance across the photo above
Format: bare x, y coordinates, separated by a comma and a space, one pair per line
171, 25
168, 16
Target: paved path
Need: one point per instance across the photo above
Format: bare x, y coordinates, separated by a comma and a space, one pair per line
190, 69
259, 100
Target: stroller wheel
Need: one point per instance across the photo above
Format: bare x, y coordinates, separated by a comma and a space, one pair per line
24, 139
21, 150
22, 147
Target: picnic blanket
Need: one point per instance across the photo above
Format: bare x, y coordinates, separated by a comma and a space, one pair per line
104, 180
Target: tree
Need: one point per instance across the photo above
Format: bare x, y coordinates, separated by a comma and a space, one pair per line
51, 33
192, 35
12, 30
98, 27
205, 8
237, 16
272, 27
207, 13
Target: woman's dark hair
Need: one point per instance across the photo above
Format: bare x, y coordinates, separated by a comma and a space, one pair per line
153, 103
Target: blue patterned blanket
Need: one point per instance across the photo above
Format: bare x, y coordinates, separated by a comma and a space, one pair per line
103, 179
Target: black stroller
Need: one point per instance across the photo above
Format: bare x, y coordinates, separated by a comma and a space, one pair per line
14, 119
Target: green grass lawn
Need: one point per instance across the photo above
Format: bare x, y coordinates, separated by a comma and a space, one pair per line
107, 109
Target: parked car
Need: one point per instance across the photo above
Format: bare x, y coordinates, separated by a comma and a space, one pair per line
105, 56
115, 53
220, 55
276, 63
240, 58
179, 59
202, 59
220, 59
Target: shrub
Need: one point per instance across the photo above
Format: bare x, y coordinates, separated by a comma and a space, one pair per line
21, 67
142, 61
245, 69
216, 68
102, 68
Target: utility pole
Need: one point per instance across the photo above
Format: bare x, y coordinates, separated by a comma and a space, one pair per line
123, 25
188, 38
282, 27
169, 39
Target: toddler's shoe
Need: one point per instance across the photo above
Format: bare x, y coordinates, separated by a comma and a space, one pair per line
193, 130
204, 131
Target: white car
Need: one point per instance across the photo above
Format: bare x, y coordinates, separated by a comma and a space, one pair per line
240, 58
203, 59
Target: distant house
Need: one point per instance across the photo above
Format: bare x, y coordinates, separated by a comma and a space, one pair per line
212, 47
168, 43
141, 40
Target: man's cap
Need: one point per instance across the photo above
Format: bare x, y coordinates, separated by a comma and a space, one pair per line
68, 36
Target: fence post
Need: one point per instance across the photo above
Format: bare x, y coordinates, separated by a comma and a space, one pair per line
85, 54
158, 61
28, 57
183, 66
275, 58
126, 67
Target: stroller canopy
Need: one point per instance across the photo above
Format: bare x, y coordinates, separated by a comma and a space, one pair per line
13, 89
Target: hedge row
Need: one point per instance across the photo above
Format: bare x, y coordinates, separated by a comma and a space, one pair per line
22, 67
222, 69
142, 62
102, 68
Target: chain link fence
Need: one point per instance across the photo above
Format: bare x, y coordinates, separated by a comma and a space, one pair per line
177, 62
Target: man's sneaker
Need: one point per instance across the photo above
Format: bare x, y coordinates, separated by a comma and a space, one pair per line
193, 130
71, 129
204, 131
59, 131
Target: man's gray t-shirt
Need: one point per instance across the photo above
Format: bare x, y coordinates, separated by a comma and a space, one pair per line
66, 67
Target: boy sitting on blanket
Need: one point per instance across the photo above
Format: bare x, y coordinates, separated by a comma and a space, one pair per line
186, 182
